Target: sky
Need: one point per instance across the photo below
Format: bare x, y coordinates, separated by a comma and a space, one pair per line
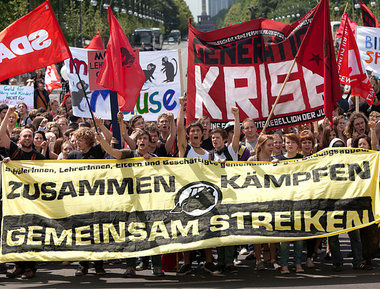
195, 8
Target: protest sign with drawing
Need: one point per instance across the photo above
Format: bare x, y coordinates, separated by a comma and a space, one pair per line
159, 94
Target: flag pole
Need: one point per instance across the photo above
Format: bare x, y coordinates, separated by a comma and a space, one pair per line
115, 123
345, 8
84, 93
180, 69
278, 96
356, 103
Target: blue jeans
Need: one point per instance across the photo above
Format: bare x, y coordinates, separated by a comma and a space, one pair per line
356, 248
284, 252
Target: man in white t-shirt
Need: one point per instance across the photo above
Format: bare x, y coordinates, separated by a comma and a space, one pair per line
219, 137
222, 153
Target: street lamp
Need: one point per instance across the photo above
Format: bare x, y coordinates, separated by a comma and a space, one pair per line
106, 5
116, 7
336, 8
140, 10
130, 8
123, 10
94, 2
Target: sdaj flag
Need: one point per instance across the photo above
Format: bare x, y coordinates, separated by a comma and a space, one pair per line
32, 42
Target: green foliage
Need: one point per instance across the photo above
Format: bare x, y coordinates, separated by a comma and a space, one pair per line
176, 14
11, 10
183, 15
287, 10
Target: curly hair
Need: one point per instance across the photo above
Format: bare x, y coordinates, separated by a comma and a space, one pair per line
350, 124
86, 134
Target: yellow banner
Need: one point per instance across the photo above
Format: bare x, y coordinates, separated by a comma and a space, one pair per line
108, 209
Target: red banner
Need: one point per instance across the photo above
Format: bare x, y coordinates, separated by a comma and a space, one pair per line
350, 66
245, 65
369, 19
32, 42
121, 70
52, 79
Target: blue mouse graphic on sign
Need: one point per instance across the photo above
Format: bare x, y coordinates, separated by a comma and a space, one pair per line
197, 198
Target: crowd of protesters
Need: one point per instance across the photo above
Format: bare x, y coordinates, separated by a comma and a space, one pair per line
51, 131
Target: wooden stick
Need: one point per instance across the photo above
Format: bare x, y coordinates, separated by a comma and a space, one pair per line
356, 103
278, 96
345, 8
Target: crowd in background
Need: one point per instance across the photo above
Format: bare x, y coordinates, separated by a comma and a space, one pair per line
51, 131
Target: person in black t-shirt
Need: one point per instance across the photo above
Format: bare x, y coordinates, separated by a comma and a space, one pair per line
23, 151
86, 146
156, 146
143, 140
87, 149
292, 144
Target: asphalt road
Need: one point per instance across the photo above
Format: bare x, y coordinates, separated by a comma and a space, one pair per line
54, 275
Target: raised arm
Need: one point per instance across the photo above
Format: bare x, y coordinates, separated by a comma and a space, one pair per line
172, 135
372, 126
107, 134
131, 143
107, 147
181, 133
5, 141
236, 136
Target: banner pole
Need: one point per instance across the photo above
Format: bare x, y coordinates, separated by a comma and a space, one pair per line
278, 96
180, 69
115, 123
84, 93
345, 8
356, 103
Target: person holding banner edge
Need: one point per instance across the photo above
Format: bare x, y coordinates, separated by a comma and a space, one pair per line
191, 149
223, 153
87, 149
143, 139
27, 270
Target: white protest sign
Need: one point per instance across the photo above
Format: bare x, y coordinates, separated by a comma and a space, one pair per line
160, 92
368, 40
162, 86
13, 95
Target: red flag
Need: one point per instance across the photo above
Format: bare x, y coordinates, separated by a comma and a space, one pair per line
52, 79
339, 32
32, 42
121, 70
96, 42
368, 18
317, 54
351, 68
